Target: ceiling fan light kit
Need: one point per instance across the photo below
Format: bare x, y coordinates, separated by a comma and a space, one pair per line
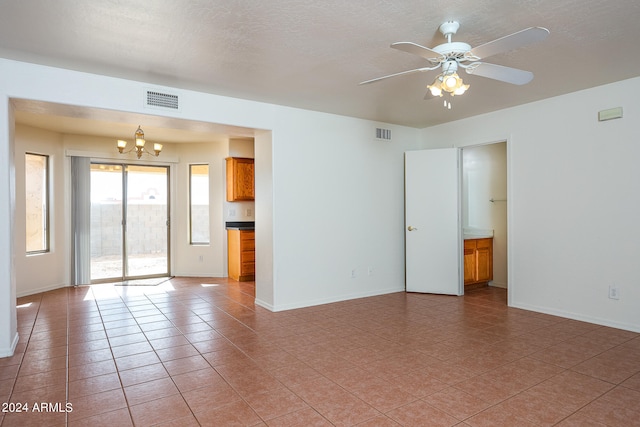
448, 81
451, 56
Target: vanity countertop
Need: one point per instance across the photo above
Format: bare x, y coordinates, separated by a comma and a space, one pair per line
240, 225
476, 233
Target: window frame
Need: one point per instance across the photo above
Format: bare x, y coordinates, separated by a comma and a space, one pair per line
191, 213
47, 205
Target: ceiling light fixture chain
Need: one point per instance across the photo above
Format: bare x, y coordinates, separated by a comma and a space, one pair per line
139, 147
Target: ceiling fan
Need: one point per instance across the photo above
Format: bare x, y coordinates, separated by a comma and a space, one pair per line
451, 56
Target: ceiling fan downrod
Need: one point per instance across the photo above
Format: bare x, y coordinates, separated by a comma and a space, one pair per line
449, 28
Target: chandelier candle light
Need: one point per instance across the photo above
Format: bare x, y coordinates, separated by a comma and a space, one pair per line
139, 145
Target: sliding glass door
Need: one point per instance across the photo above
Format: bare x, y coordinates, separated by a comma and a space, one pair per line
129, 221
106, 222
147, 221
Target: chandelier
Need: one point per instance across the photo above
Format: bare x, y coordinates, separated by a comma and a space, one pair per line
448, 81
139, 145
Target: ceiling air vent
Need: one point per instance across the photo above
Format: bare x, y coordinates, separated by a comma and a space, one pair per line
383, 134
161, 100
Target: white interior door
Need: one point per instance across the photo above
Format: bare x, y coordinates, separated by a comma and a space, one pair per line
433, 221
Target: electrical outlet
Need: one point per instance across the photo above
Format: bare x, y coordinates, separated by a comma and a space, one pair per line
353, 273
201, 258
614, 292
249, 212
232, 212
370, 270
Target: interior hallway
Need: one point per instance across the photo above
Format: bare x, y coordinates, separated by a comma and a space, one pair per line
198, 352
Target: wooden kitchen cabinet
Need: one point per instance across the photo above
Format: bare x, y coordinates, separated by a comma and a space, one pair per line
241, 254
478, 261
240, 181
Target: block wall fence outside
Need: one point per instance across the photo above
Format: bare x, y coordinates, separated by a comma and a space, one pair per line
147, 232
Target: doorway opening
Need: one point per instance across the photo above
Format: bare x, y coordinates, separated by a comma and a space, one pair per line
129, 222
484, 202
448, 206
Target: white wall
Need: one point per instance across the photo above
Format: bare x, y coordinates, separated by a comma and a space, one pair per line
574, 201
200, 260
330, 198
8, 321
265, 228
333, 195
45, 271
484, 179
339, 206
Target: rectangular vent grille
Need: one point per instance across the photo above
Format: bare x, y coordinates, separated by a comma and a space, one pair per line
163, 100
383, 134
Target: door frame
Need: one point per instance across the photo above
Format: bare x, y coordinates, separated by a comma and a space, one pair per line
124, 211
511, 286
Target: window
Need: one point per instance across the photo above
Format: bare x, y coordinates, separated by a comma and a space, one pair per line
37, 202
199, 204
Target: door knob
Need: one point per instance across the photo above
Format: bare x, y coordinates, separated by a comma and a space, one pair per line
410, 228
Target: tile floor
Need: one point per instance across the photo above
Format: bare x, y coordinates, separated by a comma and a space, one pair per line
198, 352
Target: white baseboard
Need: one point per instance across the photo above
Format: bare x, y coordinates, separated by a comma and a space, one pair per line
8, 352
191, 274
574, 316
311, 303
26, 292
498, 285
264, 305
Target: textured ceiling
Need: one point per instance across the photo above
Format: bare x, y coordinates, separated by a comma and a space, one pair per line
312, 54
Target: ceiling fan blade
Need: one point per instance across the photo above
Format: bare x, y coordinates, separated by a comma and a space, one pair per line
422, 51
510, 42
499, 72
396, 74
